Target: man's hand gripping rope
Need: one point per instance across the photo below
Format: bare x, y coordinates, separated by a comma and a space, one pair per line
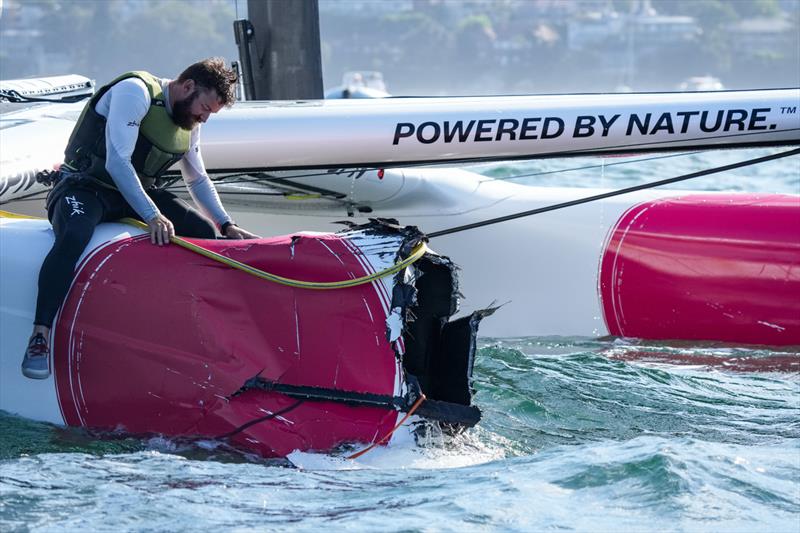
161, 230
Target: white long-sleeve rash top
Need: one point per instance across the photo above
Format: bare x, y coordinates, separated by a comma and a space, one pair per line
124, 106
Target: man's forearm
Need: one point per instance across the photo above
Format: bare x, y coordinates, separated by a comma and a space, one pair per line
200, 185
205, 196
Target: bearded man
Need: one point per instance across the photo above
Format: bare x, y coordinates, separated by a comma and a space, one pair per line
130, 132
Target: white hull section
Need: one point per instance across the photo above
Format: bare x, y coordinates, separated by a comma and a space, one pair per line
33, 140
543, 268
23, 247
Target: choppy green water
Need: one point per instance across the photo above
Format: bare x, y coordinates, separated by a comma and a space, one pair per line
577, 434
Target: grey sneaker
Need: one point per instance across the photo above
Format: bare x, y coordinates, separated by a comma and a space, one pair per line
36, 363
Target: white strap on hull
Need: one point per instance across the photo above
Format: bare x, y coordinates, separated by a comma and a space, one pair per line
25, 243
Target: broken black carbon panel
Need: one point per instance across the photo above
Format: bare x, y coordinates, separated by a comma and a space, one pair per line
431, 305
461, 415
456, 358
451, 413
322, 394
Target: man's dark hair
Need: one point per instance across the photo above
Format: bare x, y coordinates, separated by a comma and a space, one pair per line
212, 73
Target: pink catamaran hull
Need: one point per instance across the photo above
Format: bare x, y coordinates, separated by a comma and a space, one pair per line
160, 340
700, 267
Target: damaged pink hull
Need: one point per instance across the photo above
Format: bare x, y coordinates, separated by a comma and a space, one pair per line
160, 340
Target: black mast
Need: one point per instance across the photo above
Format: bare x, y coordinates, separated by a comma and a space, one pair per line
279, 50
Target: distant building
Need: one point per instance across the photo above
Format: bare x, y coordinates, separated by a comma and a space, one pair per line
659, 31
751, 36
22, 53
365, 8
594, 29
511, 51
646, 30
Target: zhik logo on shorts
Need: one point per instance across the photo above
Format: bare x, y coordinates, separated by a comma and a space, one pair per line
75, 205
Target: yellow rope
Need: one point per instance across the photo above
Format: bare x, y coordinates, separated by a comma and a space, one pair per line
416, 253
9, 214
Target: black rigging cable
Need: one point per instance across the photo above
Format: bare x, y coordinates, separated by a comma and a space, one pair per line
618, 192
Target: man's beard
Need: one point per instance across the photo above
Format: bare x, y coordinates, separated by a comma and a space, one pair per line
181, 112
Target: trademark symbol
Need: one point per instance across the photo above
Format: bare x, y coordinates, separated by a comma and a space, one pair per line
788, 110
